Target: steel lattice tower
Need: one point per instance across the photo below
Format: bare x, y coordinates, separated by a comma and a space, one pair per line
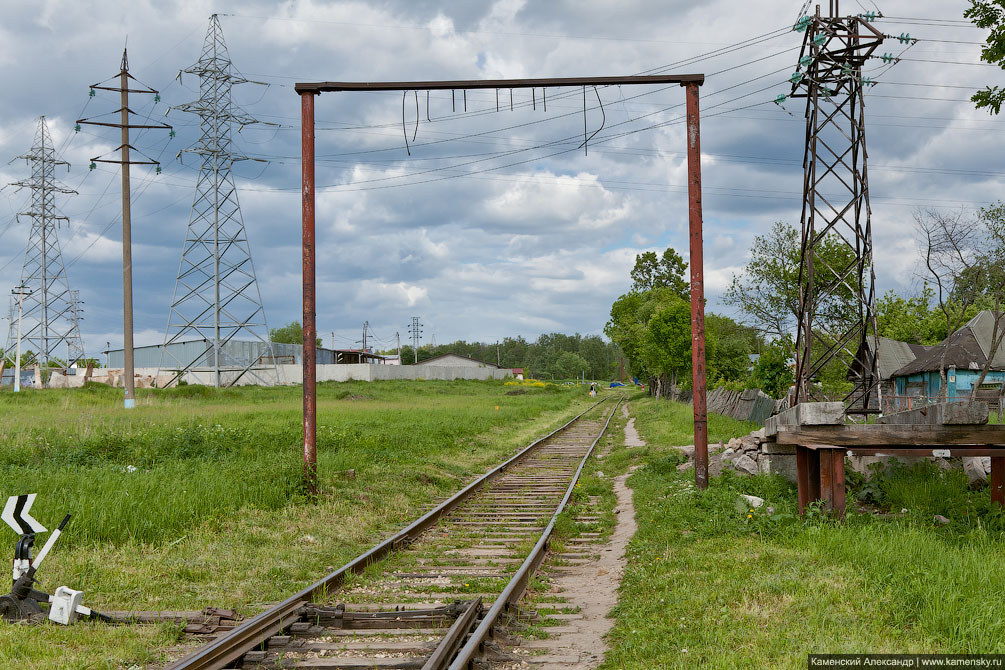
51, 311
837, 299
216, 296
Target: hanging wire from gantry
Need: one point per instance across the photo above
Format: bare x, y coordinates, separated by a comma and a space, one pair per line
498, 85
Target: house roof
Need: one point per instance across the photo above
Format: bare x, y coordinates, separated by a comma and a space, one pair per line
450, 353
967, 348
893, 355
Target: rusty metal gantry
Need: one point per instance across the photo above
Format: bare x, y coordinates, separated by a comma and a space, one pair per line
837, 295
690, 82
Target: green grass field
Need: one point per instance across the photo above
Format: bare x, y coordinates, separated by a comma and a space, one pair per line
706, 586
195, 498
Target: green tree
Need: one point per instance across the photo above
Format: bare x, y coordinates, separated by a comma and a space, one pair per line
666, 346
772, 372
626, 330
666, 271
291, 333
910, 319
568, 365
990, 14
767, 291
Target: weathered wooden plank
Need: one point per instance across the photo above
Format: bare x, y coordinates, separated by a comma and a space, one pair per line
806, 414
875, 435
941, 414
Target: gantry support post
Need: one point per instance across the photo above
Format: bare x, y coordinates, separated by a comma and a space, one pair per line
697, 287
310, 325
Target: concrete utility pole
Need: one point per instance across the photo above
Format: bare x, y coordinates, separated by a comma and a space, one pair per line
128, 376
498, 355
333, 340
398, 338
20, 291
366, 325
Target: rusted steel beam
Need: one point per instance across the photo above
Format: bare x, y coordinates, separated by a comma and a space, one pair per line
697, 287
335, 86
310, 326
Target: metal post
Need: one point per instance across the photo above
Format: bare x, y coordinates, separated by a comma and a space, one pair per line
697, 287
128, 376
310, 344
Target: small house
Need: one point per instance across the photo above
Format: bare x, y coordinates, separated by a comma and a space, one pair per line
964, 354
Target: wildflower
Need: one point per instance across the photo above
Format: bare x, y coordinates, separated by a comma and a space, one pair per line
750, 516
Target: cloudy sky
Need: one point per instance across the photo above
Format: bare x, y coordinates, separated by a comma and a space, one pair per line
497, 224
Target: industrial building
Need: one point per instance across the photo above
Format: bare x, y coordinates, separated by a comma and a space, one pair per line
236, 354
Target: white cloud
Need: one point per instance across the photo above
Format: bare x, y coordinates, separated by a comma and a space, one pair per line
496, 224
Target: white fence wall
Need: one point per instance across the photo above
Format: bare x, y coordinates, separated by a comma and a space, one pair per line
293, 374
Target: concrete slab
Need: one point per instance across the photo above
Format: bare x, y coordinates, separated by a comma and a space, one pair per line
806, 414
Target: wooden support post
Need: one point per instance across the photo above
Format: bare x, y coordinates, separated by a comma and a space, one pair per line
826, 478
998, 479
837, 482
803, 477
813, 491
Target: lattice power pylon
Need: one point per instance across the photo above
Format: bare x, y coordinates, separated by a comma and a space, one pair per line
50, 312
216, 296
837, 301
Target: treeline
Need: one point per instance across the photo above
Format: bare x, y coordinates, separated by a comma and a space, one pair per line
551, 356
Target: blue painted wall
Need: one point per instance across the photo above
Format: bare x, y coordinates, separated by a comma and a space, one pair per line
960, 388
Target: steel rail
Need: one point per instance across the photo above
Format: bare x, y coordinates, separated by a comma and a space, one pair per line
514, 589
452, 641
255, 631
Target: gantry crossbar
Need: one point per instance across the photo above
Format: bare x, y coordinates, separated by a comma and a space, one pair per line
546, 82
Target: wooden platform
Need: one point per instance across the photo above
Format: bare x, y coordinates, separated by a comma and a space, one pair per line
821, 446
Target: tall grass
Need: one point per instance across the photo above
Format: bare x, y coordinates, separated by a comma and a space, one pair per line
193, 453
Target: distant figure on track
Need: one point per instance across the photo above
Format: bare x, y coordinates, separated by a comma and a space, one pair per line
593, 390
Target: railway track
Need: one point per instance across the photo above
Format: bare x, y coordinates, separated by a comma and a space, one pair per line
442, 585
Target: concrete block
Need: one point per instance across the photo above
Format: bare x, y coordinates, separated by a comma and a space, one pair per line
775, 448
965, 413
806, 414
778, 464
